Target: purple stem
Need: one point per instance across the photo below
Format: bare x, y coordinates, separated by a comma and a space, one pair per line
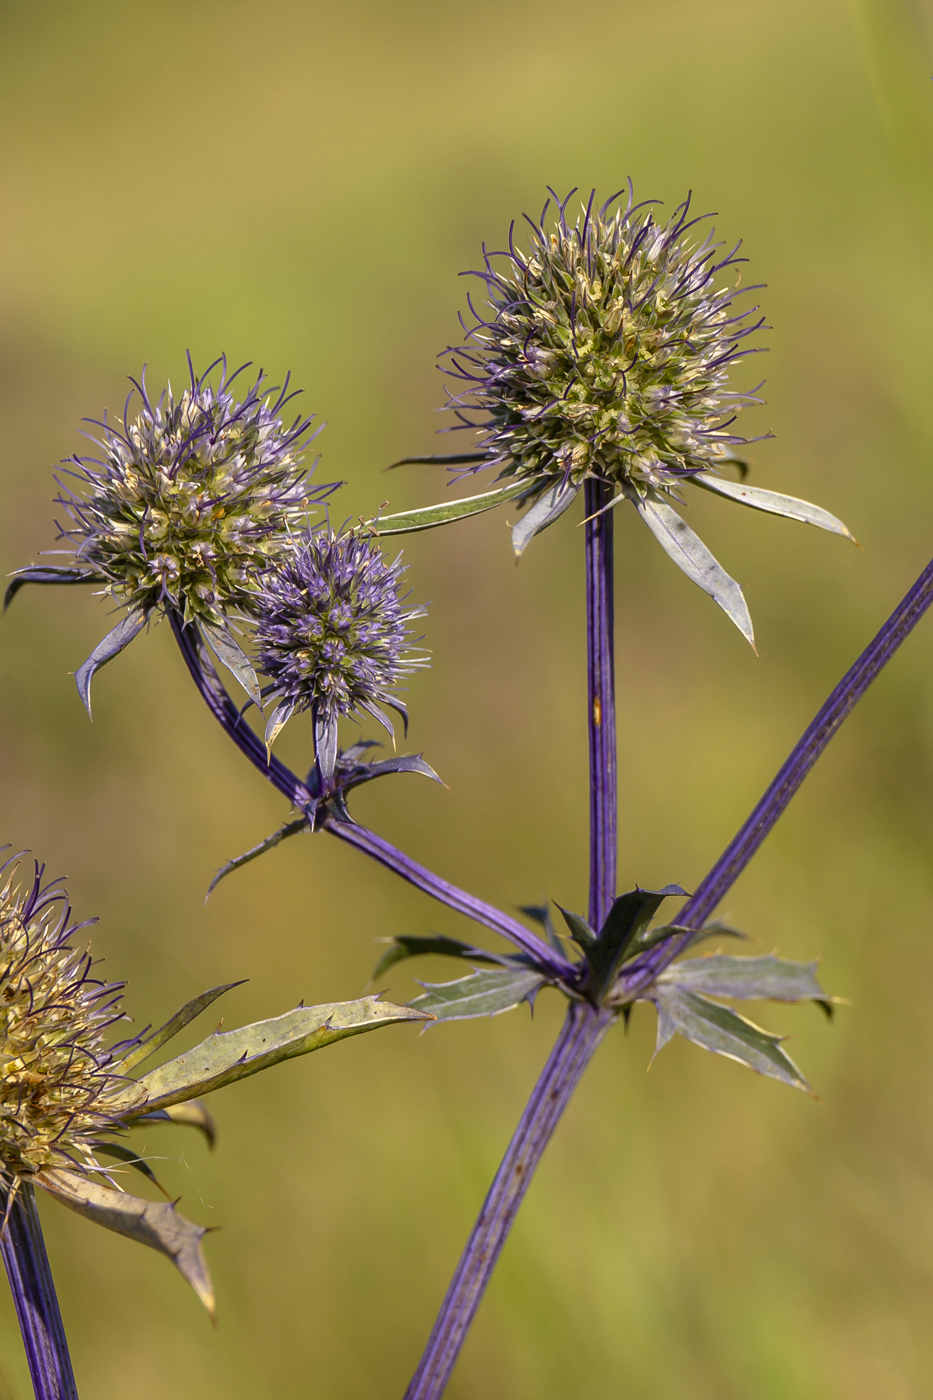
600, 670
580, 1035
290, 785
804, 754
40, 1321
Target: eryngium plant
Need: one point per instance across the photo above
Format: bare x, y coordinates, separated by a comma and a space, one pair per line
603, 352
183, 509
67, 1100
333, 636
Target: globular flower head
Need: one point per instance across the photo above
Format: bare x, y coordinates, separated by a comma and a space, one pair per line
604, 351
333, 635
55, 1075
186, 502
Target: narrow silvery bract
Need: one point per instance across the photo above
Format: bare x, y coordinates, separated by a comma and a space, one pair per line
67, 1100
183, 507
333, 636
604, 351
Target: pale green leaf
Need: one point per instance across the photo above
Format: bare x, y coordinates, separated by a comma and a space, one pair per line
691, 555
722, 1031
193, 1114
482, 993
545, 510
156, 1224
176, 1023
426, 517
772, 502
227, 1056
106, 650
229, 652
748, 979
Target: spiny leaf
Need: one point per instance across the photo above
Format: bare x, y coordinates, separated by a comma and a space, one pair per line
289, 829
153, 1223
714, 929
227, 1056
414, 946
691, 555
426, 517
627, 918
48, 573
447, 459
772, 502
193, 1114
722, 1031
546, 509
276, 723
749, 979
106, 650
230, 654
541, 914
127, 1156
485, 993
176, 1023
580, 931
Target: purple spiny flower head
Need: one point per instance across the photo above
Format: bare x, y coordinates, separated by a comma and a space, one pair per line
604, 350
333, 635
187, 502
53, 1014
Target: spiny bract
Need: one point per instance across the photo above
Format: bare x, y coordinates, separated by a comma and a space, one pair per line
188, 502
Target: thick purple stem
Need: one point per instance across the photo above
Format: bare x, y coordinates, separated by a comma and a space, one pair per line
582, 1031
642, 972
290, 785
40, 1321
600, 671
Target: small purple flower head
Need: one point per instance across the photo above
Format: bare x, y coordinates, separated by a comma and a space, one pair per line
333, 636
605, 351
186, 503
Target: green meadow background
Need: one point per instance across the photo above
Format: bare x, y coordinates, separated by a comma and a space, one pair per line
299, 184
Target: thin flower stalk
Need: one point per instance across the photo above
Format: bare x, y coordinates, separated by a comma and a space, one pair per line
582, 1031
37, 1310
290, 785
803, 756
600, 634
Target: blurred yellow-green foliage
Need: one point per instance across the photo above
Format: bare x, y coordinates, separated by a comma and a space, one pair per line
299, 184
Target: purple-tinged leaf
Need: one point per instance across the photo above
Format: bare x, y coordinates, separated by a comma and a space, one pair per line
119, 1153
482, 993
230, 654
773, 502
289, 829
227, 1056
105, 651
629, 916
722, 1031
426, 517
413, 946
153, 1223
276, 723
48, 573
691, 555
545, 510
748, 979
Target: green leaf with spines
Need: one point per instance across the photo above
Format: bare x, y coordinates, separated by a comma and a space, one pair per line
415, 946
191, 1009
580, 931
625, 922
722, 1031
766, 978
427, 517
482, 993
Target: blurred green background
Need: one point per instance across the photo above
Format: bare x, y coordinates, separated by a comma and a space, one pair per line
300, 185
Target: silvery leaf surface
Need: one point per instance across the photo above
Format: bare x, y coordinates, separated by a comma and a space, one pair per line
415, 946
691, 555
227, 1056
545, 510
773, 502
426, 517
748, 979
154, 1223
106, 650
482, 993
229, 652
48, 573
176, 1023
722, 1031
